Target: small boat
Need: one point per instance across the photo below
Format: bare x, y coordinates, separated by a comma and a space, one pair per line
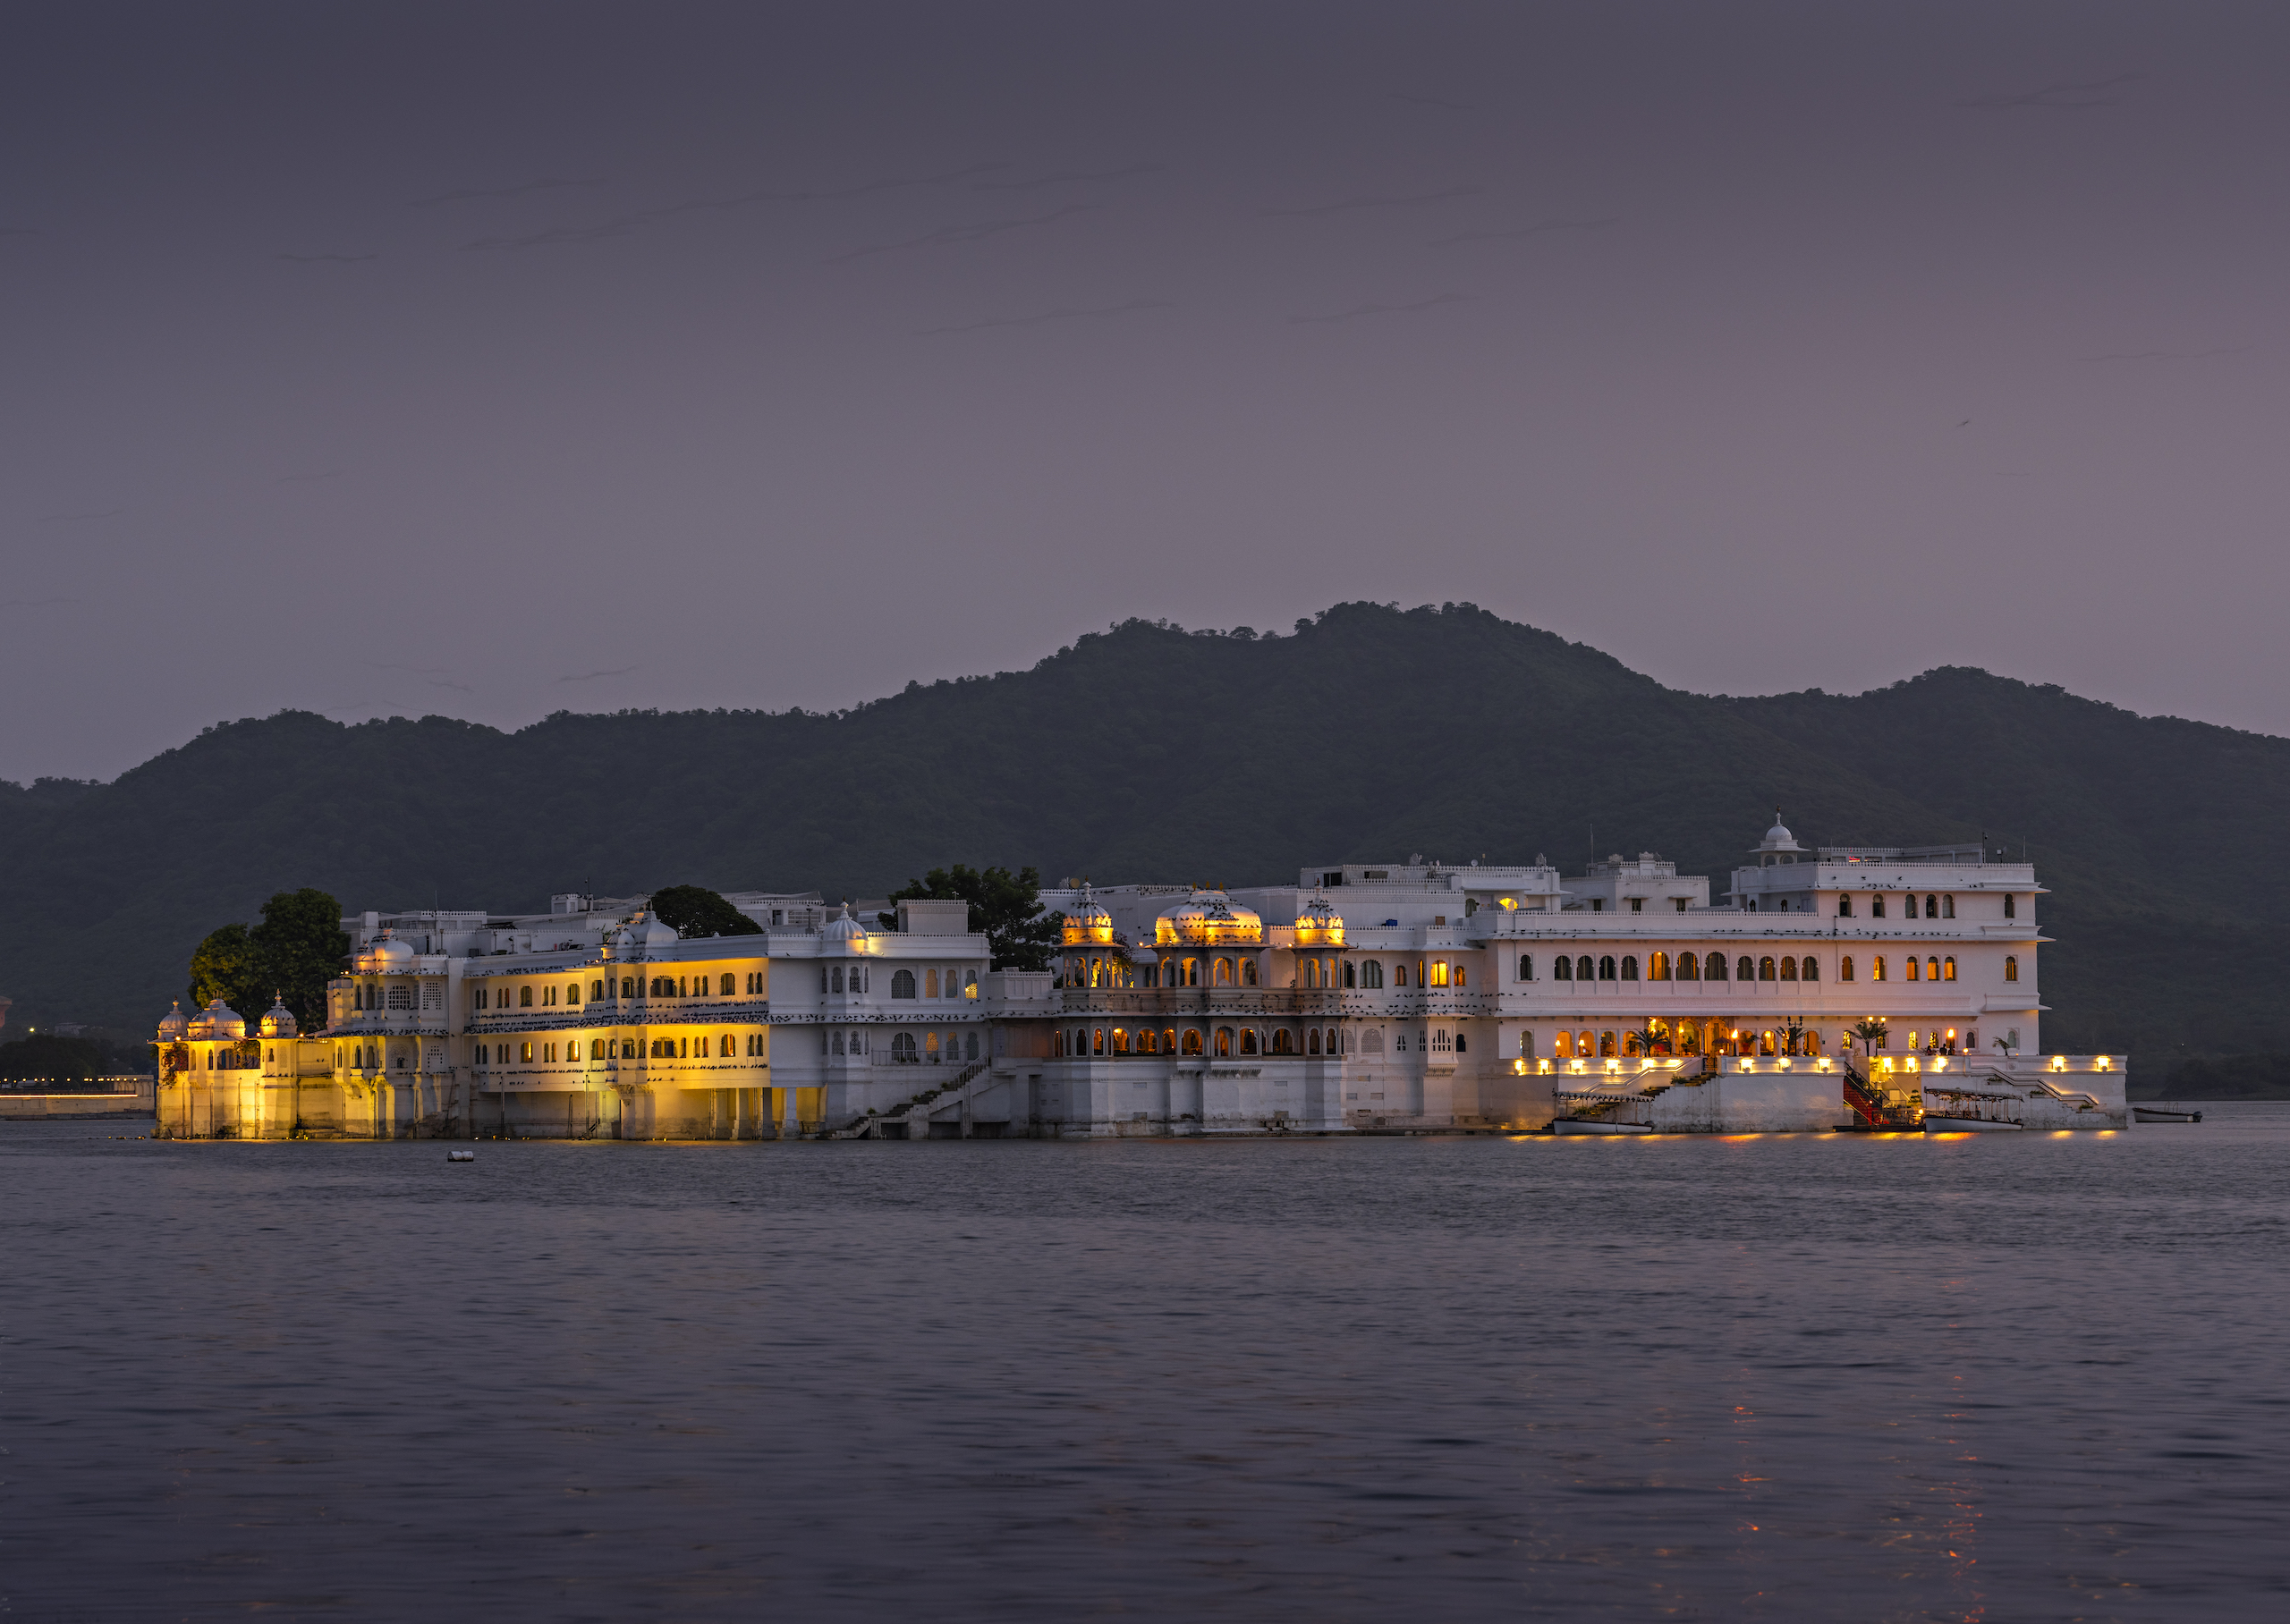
1594, 1125
2165, 1113
1968, 1124
460, 1155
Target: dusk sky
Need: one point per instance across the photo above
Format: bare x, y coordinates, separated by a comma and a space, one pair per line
491, 360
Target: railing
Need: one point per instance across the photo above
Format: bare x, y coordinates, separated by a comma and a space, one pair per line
1870, 1104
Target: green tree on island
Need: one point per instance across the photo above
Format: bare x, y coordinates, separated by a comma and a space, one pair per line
1004, 907
694, 910
298, 948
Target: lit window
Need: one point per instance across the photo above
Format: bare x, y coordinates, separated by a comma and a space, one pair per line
1658, 966
1915, 969
1788, 969
1765, 971
1932, 970
1438, 972
1877, 968
1948, 968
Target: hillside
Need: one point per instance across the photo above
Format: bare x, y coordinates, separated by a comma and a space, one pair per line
1150, 752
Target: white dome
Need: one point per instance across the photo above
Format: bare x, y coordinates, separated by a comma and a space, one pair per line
386, 951
844, 929
278, 1020
1087, 921
1779, 838
219, 1021
1207, 917
1319, 924
173, 1024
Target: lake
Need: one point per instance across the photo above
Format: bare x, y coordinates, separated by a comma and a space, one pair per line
2002, 1377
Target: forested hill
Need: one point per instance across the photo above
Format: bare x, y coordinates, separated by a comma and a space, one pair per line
1148, 752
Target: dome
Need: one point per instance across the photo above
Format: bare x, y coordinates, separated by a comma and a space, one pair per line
635, 939
173, 1024
219, 1021
1319, 925
1089, 923
278, 1020
386, 952
1778, 838
845, 929
1208, 919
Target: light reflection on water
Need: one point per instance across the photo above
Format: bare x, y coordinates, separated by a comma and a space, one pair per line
1984, 1376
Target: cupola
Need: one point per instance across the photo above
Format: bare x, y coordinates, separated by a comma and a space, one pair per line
1319, 925
219, 1022
278, 1020
1780, 846
1089, 925
174, 1024
845, 929
1209, 918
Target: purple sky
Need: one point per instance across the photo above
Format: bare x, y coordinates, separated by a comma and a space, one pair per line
493, 361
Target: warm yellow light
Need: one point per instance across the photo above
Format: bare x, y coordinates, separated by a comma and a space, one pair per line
1822, 1063
2102, 1063
1940, 1062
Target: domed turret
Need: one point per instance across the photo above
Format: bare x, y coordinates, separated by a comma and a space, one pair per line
639, 937
1208, 919
1780, 846
219, 1021
278, 1020
844, 929
1319, 925
1089, 925
174, 1024
386, 952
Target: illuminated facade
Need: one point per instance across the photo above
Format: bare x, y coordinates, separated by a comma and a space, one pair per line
1826, 988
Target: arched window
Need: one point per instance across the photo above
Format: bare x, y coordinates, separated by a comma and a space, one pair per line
628, 986
902, 1048
1526, 1046
1438, 972
1658, 966
1373, 1041
1812, 968
1788, 969
1371, 974
1877, 968
1931, 908
1713, 966
1248, 1040
1585, 970
1192, 975
1399, 973
1947, 908
1948, 967
1844, 908
1097, 1041
903, 986
835, 980
1844, 968
1629, 1045
1765, 1043
1526, 968
1351, 974
1765, 968
930, 983
1915, 969
1562, 968
1463, 974
1745, 970
1224, 977
1563, 1046
1629, 966
2011, 906
1308, 972
1586, 1044
1248, 972
1224, 1042
1689, 968
1121, 1040
724, 1046
572, 991
1192, 1040
1606, 1046
1169, 972
524, 998
1606, 967
1462, 1045
1284, 1041
1932, 969
1877, 907
596, 1048
2011, 968
1313, 1041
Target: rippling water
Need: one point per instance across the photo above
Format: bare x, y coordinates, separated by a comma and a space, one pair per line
1999, 1377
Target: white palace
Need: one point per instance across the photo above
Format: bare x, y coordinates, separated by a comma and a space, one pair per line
1838, 987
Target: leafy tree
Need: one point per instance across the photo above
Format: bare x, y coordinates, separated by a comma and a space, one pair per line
299, 947
697, 911
43, 1054
227, 966
1005, 907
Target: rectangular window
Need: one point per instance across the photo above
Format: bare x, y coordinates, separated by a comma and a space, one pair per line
1438, 972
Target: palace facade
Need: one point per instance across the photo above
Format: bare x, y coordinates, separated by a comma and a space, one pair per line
1830, 987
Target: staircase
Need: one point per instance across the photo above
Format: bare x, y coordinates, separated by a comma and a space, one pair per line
915, 1112
1870, 1105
